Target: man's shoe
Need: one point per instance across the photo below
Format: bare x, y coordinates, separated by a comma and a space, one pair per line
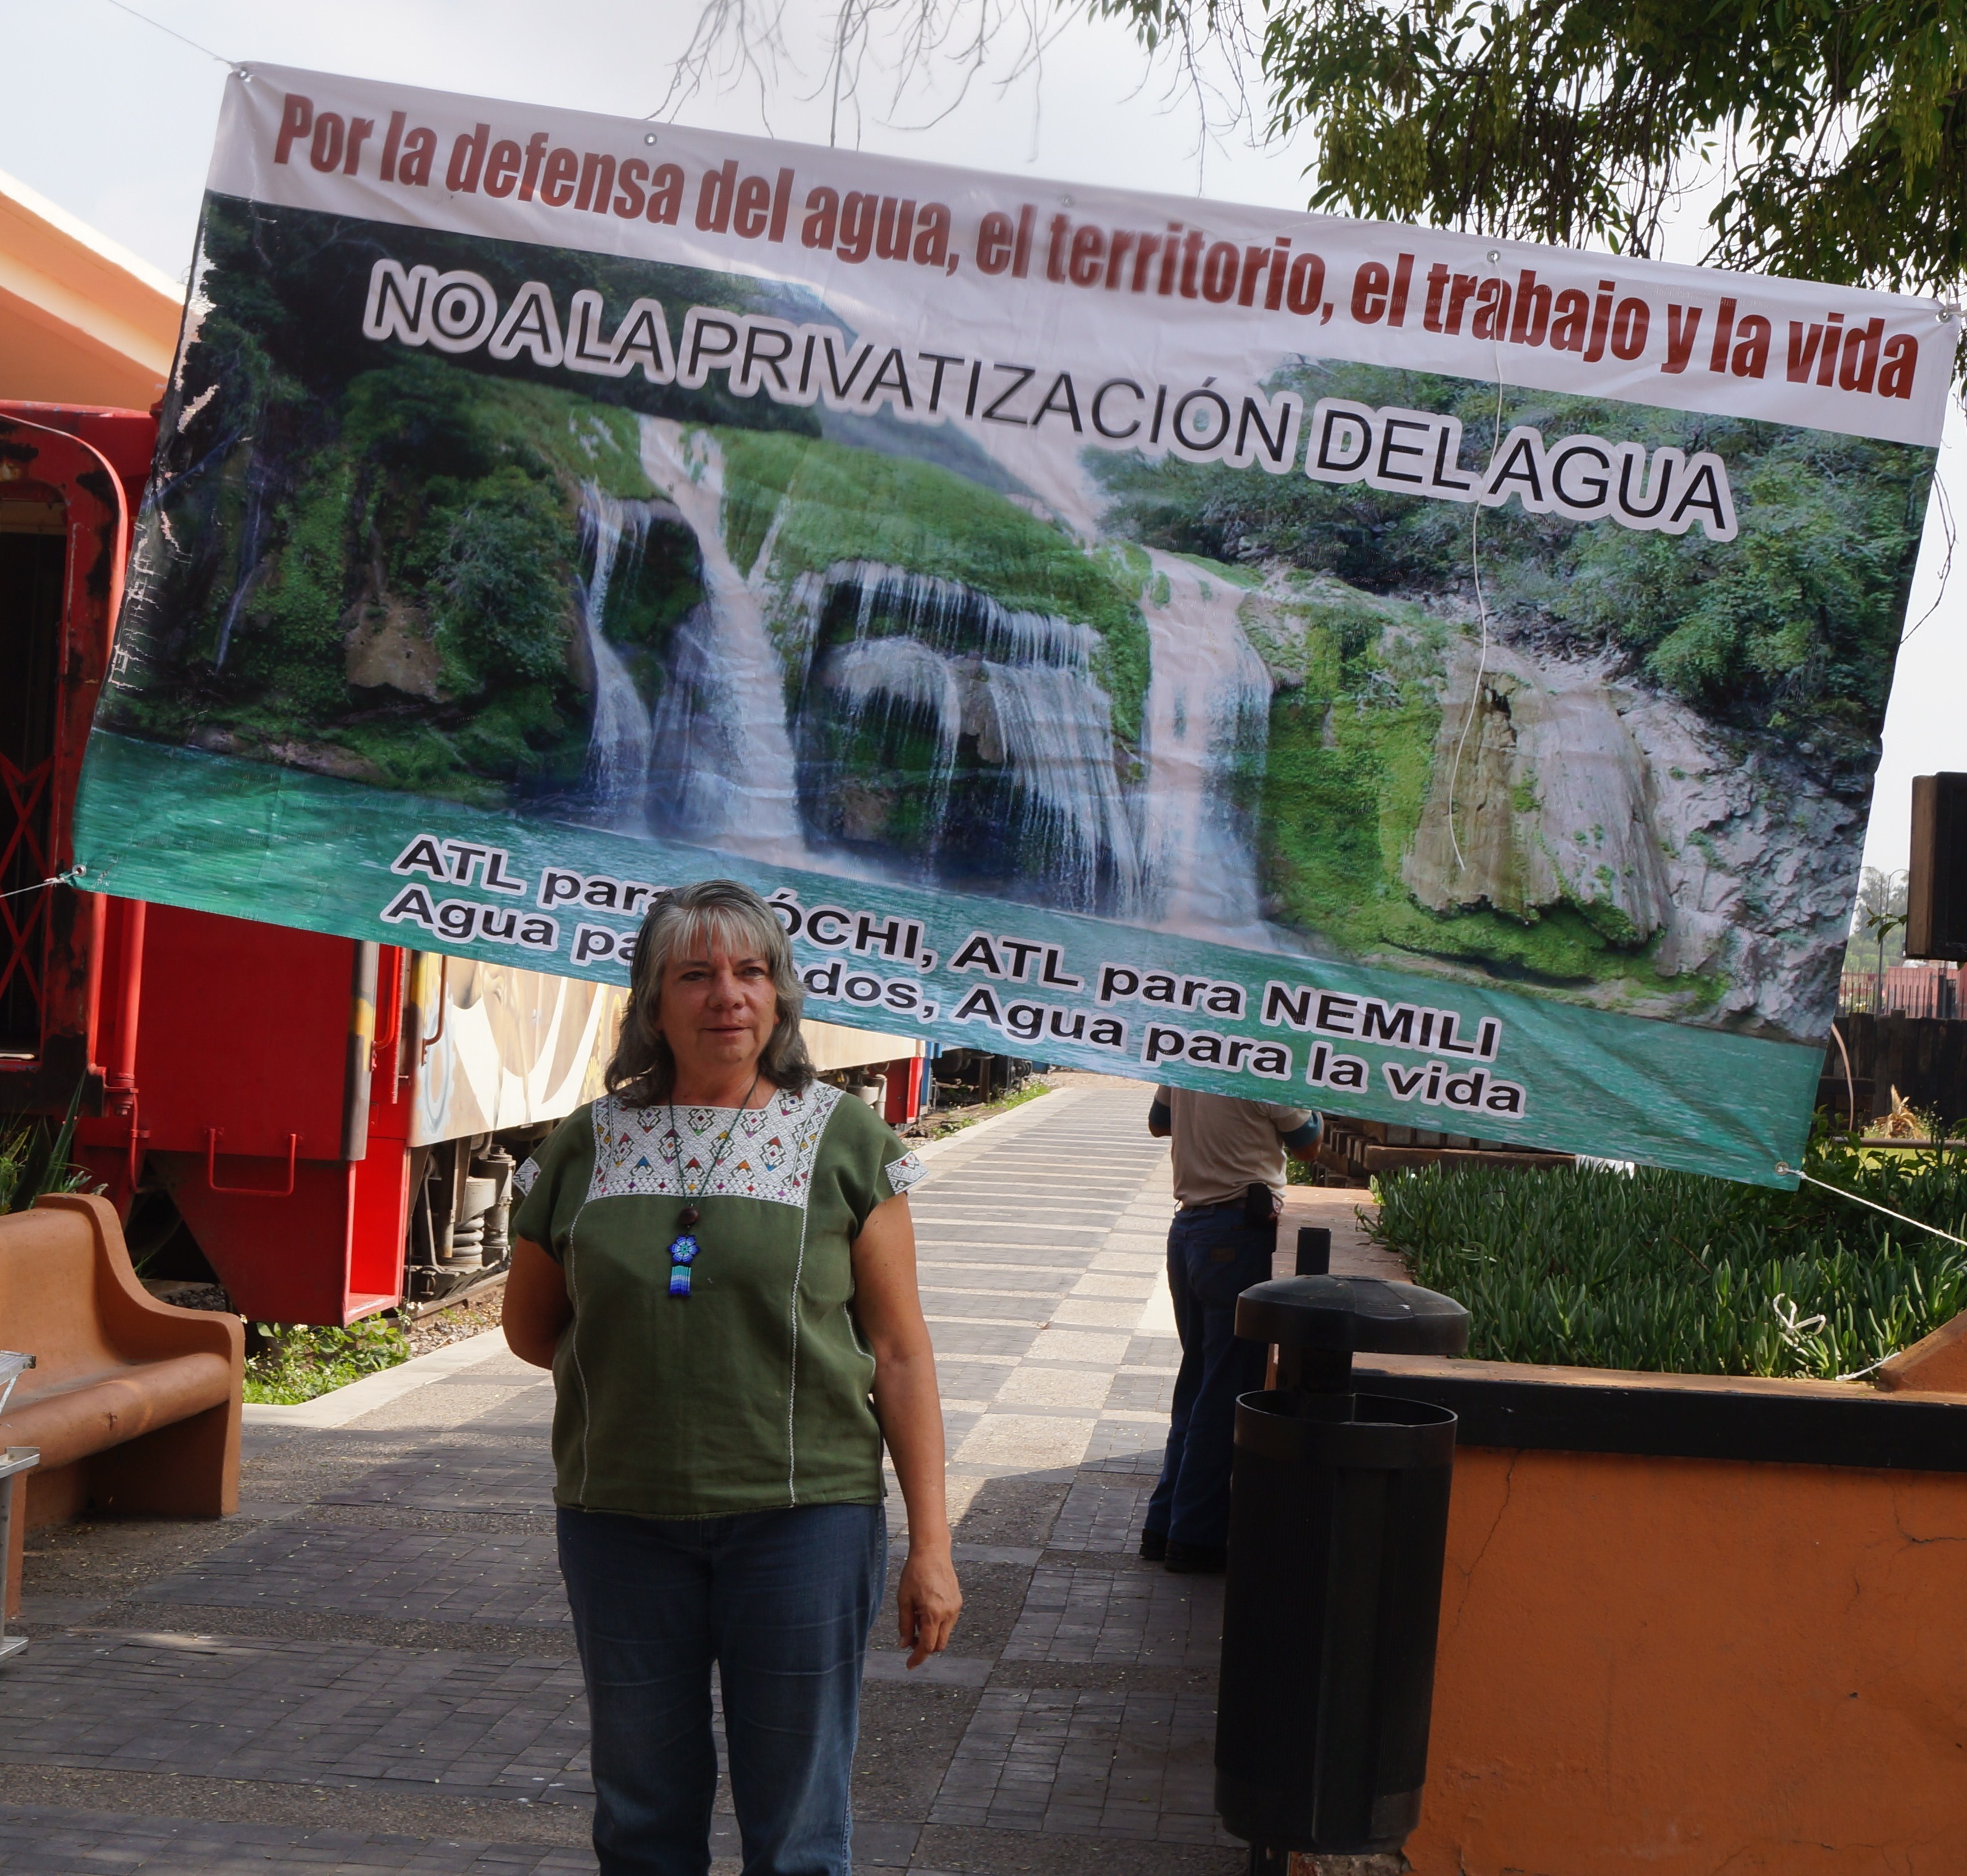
1195, 1560
1154, 1545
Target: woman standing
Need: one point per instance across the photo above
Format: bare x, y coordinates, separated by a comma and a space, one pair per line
716, 1261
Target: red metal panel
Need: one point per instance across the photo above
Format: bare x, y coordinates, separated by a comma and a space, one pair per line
282, 1260
245, 1028
127, 440
382, 1178
238, 1012
903, 1101
381, 1199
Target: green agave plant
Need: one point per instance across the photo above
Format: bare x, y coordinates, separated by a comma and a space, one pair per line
33, 1159
1676, 1273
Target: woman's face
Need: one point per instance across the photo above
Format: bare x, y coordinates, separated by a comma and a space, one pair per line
717, 1008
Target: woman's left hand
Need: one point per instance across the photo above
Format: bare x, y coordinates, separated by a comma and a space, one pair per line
928, 1603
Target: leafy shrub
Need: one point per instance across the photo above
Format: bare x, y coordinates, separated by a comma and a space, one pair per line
1674, 1273
34, 1159
287, 1364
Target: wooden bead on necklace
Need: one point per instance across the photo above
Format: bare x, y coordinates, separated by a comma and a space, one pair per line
688, 1216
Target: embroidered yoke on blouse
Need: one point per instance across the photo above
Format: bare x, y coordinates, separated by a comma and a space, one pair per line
751, 1392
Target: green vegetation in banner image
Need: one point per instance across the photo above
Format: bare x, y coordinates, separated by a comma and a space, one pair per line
1678, 1273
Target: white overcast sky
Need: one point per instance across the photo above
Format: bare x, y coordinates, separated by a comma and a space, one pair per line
113, 120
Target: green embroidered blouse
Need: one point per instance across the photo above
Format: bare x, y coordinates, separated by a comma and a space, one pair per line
751, 1394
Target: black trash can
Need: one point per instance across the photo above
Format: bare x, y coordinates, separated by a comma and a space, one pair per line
1338, 1527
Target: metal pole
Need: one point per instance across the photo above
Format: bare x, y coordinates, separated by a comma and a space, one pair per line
18, 1459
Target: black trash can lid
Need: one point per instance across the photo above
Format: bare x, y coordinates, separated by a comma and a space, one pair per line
1361, 1314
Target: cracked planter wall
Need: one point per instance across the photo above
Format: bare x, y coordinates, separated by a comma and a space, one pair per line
1687, 1667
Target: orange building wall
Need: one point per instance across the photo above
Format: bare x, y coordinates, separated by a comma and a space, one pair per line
82, 322
1687, 1667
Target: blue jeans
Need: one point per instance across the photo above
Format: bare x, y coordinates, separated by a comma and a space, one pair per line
1212, 1257
782, 1601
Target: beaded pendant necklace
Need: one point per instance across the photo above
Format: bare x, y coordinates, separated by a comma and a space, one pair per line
683, 1248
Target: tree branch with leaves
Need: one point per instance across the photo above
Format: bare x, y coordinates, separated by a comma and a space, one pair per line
1830, 136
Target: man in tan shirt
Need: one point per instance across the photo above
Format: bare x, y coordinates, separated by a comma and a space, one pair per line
1229, 1182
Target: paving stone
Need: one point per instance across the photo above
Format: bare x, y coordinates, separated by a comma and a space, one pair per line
1102, 1512
296, 1711
1137, 1615
531, 1408
1029, 1442
55, 1843
1137, 1443
1081, 1348
1035, 1386
283, 1622
420, 1576
996, 1307
1139, 1388
1104, 1764
486, 1475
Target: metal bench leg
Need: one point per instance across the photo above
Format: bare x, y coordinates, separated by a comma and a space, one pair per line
13, 1492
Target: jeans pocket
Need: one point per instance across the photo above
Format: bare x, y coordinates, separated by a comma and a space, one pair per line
1218, 1281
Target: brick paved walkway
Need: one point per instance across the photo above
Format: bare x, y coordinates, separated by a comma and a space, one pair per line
371, 1667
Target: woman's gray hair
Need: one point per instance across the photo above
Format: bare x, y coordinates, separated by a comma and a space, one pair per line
733, 917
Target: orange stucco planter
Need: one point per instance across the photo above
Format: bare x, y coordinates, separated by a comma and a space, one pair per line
1686, 1663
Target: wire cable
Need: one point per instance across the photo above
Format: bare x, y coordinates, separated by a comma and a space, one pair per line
1918, 1224
41, 885
231, 65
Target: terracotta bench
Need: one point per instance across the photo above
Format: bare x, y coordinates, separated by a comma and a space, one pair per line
134, 1405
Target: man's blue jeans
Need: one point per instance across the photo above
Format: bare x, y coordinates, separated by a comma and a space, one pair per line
1212, 1257
782, 1601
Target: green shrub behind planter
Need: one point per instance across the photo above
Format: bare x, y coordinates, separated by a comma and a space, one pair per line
1678, 1273
285, 1365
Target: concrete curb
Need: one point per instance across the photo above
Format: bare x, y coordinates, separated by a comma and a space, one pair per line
377, 1390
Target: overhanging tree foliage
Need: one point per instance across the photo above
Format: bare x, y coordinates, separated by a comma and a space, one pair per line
1838, 131
1827, 139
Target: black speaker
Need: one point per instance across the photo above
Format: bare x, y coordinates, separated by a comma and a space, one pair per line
1937, 880
1314, 1250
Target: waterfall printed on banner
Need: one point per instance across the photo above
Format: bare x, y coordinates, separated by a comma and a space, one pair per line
618, 750
1209, 700
979, 729
722, 772
934, 689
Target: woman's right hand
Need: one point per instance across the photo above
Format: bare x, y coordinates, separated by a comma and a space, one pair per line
928, 1602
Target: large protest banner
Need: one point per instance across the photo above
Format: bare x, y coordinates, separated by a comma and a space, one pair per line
1411, 674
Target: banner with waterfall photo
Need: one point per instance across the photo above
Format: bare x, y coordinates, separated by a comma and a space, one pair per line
1401, 673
